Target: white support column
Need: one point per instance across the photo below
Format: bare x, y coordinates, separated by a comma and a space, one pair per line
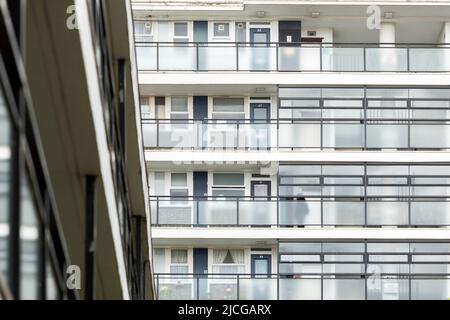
445, 38
387, 32
388, 58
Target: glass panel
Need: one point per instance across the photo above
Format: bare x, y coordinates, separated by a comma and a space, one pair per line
300, 289
4, 184
218, 288
299, 212
179, 104
430, 213
257, 58
30, 245
257, 212
159, 255
387, 213
222, 29
343, 289
228, 179
342, 59
387, 289
180, 29
299, 58
169, 57
430, 136
299, 135
217, 58
179, 180
387, 135
430, 289
343, 213
217, 212
429, 59
146, 56
257, 289
386, 59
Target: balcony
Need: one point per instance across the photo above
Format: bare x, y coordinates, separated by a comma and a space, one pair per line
292, 57
313, 286
316, 133
307, 211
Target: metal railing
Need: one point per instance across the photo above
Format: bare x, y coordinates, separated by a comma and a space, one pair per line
292, 57
306, 286
308, 210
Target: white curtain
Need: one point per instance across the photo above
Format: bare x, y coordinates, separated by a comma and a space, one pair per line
238, 256
219, 255
179, 257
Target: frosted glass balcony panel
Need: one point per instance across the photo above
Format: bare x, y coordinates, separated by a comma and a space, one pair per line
386, 59
429, 59
146, 57
175, 214
257, 58
299, 135
343, 289
149, 135
387, 213
300, 289
430, 289
387, 289
342, 59
387, 136
299, 213
217, 212
343, 135
299, 58
218, 288
343, 213
175, 289
177, 58
257, 212
430, 213
257, 289
256, 135
430, 136
177, 135
217, 58
221, 135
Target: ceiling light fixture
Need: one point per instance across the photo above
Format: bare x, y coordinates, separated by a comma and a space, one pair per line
315, 15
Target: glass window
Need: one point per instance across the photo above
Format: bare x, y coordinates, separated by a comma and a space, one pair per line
29, 245
180, 32
179, 108
179, 261
228, 108
143, 31
221, 29
159, 256
228, 261
179, 180
228, 179
160, 187
4, 184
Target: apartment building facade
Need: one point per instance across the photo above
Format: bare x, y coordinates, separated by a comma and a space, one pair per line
297, 149
73, 207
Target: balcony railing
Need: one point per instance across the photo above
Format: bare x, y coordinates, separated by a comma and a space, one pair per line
313, 286
292, 57
321, 211
321, 133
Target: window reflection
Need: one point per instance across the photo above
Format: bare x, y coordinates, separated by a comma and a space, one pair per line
29, 242
4, 184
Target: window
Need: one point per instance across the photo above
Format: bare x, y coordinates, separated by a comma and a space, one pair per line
180, 32
159, 256
228, 108
222, 29
179, 188
229, 261
143, 31
160, 107
145, 108
30, 244
179, 108
179, 261
228, 185
4, 184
